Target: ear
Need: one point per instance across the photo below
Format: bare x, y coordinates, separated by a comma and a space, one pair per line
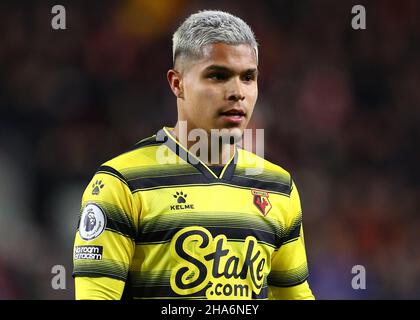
175, 82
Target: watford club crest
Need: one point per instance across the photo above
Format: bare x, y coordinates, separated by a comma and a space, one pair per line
261, 201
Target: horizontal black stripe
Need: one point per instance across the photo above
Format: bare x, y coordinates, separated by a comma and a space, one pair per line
118, 228
121, 228
155, 182
258, 184
230, 233
289, 241
116, 219
288, 278
131, 292
145, 292
105, 267
159, 170
266, 175
293, 231
287, 283
150, 278
292, 234
213, 219
113, 172
92, 274
197, 179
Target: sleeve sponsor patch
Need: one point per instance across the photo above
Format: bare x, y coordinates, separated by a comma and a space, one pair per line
88, 253
92, 222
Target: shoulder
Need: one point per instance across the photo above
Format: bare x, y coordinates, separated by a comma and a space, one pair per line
262, 169
142, 155
139, 154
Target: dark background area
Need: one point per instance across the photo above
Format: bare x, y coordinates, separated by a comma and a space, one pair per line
340, 108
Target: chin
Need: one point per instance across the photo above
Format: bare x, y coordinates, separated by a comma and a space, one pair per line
230, 135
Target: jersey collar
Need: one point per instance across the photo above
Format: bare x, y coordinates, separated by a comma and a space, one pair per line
182, 152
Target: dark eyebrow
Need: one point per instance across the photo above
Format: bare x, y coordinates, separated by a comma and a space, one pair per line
224, 69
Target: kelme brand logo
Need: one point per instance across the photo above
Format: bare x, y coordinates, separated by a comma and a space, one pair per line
96, 187
213, 264
181, 199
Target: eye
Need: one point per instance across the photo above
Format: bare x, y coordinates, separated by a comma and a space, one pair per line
218, 76
248, 77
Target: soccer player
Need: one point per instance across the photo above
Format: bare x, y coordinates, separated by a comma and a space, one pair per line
170, 220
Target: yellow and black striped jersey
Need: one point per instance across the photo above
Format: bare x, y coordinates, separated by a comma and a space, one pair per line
174, 229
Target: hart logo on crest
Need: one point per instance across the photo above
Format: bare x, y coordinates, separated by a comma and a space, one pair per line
261, 201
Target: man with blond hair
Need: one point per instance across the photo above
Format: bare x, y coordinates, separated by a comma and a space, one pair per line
174, 220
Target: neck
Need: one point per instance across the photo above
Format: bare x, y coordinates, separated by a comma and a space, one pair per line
210, 151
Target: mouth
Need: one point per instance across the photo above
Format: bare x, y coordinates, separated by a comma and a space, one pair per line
234, 115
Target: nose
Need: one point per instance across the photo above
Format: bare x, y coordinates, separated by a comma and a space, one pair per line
235, 91
236, 97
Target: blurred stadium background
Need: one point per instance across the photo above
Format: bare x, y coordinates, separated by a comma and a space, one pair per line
340, 108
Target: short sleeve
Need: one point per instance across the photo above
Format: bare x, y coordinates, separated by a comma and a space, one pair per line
105, 238
289, 270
